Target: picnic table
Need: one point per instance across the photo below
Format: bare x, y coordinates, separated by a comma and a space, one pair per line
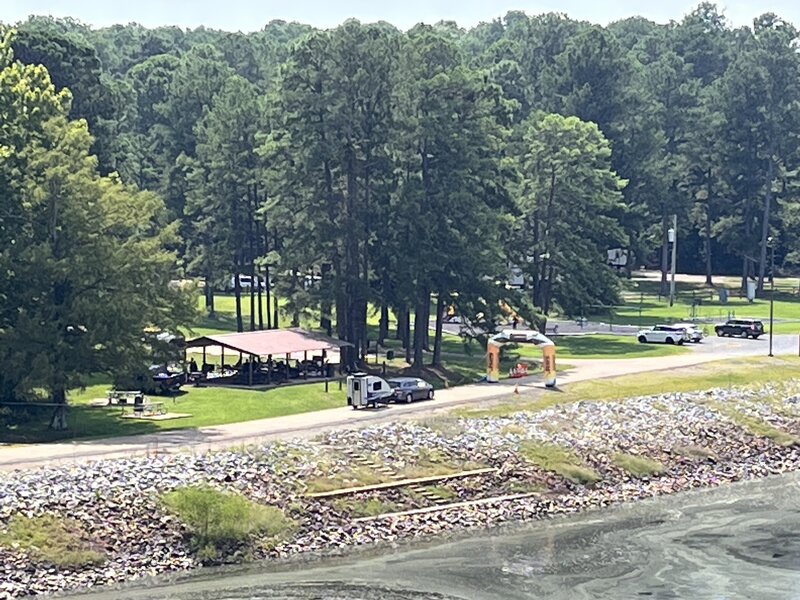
122, 397
147, 409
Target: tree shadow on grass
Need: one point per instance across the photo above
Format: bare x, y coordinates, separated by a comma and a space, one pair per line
83, 422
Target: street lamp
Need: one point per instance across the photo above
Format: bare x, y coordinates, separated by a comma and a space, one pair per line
771, 242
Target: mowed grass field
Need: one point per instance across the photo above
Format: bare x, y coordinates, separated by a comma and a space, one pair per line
644, 307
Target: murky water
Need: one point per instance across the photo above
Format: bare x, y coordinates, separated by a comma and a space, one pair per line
741, 541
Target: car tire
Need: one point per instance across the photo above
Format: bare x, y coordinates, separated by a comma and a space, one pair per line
670, 341
409, 398
642, 339
430, 394
680, 342
744, 335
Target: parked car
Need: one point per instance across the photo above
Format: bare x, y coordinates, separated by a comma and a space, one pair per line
408, 389
744, 328
663, 334
694, 333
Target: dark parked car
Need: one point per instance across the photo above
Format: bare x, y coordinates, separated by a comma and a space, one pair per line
408, 389
740, 328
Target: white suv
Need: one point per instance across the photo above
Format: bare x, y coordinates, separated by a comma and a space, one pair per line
663, 334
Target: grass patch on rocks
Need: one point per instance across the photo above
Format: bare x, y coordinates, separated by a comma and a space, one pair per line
638, 466
756, 426
559, 460
430, 463
217, 518
371, 507
355, 477
52, 540
441, 492
694, 451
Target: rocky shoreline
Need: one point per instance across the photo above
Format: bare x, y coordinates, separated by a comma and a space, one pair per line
701, 440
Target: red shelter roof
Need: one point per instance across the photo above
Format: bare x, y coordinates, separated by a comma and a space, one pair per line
273, 341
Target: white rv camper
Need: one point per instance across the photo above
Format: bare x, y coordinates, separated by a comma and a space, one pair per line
367, 390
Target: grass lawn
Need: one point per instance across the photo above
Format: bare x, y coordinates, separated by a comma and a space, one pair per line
207, 406
643, 306
603, 346
724, 373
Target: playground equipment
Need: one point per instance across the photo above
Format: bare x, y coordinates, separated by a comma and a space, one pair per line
521, 336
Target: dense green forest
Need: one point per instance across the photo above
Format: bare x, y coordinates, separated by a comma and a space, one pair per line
365, 168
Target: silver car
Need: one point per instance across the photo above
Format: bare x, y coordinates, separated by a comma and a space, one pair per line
408, 389
693, 333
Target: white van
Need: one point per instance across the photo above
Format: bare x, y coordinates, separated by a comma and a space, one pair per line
367, 390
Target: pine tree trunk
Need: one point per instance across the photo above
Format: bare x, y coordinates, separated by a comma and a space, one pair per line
260, 305
208, 292
253, 285
420, 328
325, 320
401, 322
437, 339
58, 422
237, 291
383, 327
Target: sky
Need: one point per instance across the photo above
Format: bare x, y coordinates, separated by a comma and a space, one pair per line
250, 15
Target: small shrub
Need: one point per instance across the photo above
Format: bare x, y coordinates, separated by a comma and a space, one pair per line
52, 540
218, 518
560, 461
638, 466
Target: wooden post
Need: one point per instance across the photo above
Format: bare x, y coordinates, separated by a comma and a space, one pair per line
222, 360
326, 384
305, 365
269, 367
204, 358
250, 376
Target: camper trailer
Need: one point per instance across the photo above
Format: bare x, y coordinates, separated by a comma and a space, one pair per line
367, 390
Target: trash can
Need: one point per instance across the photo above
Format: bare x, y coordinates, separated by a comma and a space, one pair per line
329, 370
390, 355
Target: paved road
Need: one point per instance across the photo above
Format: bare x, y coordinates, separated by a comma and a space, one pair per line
309, 424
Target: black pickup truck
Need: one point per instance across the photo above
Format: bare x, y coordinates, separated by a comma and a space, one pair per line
743, 328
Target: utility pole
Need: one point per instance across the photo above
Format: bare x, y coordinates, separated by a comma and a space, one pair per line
673, 239
771, 289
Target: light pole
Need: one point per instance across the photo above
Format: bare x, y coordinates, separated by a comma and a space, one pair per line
672, 237
771, 242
